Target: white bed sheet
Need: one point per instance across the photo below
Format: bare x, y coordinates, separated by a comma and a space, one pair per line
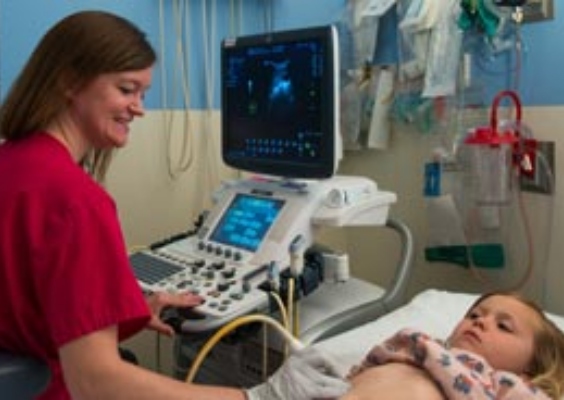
433, 311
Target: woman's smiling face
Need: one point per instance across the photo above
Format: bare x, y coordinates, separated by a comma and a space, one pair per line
103, 110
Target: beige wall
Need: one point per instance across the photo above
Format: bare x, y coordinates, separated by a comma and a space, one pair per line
152, 203
153, 206
400, 169
547, 124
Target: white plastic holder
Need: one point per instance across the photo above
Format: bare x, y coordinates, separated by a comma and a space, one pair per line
355, 201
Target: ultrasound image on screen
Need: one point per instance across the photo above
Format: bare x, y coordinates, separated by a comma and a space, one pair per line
274, 101
246, 221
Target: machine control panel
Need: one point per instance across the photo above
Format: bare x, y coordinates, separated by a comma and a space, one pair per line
228, 290
251, 229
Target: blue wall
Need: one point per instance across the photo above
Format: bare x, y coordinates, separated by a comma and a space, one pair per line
20, 29
542, 82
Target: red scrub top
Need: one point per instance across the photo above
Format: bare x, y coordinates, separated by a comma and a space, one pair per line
64, 269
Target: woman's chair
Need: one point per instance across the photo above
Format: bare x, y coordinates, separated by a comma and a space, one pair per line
22, 377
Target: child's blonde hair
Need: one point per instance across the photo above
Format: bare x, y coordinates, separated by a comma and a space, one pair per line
546, 368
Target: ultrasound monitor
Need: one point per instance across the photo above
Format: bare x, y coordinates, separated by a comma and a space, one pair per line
246, 221
280, 103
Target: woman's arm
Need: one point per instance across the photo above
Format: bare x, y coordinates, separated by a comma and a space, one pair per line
93, 369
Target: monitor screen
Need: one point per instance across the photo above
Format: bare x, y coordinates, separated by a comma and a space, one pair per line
280, 103
246, 221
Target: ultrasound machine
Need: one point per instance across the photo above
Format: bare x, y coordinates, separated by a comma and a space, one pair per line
280, 122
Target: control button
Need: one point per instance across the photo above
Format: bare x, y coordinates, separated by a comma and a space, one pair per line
182, 285
228, 273
237, 296
190, 313
223, 286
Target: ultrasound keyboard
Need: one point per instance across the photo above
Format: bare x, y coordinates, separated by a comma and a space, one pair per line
224, 286
152, 270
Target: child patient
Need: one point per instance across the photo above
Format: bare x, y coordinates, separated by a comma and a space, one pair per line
503, 348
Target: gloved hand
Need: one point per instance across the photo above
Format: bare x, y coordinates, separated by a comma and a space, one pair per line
306, 375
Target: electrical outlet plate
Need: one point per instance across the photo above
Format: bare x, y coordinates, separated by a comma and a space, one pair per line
543, 178
538, 10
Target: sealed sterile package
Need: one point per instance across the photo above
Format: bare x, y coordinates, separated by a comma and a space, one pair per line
420, 15
412, 43
367, 98
379, 129
444, 53
365, 37
366, 109
350, 113
366, 23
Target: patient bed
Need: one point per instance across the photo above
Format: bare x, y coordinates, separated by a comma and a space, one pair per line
433, 311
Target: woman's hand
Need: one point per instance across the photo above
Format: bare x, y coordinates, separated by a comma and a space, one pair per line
159, 300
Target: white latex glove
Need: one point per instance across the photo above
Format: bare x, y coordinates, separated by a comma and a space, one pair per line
306, 375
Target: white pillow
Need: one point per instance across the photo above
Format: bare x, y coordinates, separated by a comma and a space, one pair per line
452, 306
435, 312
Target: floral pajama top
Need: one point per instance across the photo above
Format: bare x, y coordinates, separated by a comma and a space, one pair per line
461, 375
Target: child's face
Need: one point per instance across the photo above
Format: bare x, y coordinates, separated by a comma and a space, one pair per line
501, 329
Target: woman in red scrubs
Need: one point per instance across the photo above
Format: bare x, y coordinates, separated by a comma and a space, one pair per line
67, 290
